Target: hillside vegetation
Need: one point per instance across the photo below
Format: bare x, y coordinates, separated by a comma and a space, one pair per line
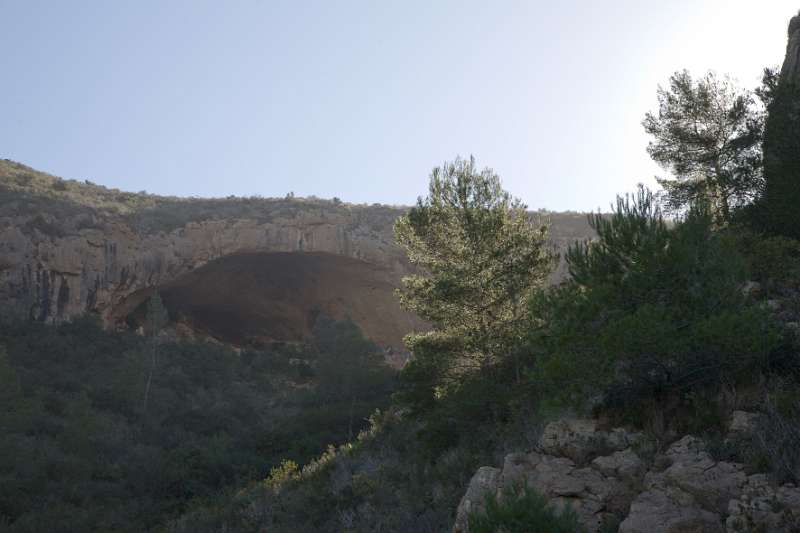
24, 190
105, 431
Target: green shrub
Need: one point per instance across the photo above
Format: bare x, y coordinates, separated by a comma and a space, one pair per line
651, 312
782, 166
778, 434
772, 261
78, 450
522, 510
286, 471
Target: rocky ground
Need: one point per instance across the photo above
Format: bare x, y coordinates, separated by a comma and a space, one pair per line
615, 478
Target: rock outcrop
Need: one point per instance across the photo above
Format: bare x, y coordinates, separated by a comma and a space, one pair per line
790, 71
60, 258
68, 248
605, 477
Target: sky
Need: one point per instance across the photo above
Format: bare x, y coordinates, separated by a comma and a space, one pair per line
360, 99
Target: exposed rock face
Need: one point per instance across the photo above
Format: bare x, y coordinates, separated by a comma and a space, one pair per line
68, 248
96, 269
669, 511
60, 259
689, 493
791, 63
580, 440
485, 481
763, 507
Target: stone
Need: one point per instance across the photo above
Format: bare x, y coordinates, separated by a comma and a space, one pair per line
594, 497
691, 493
516, 466
581, 440
743, 423
763, 507
693, 470
669, 511
485, 482
790, 71
751, 289
625, 465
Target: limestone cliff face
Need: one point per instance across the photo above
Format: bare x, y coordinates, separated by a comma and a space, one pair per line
790, 72
68, 248
58, 277
61, 257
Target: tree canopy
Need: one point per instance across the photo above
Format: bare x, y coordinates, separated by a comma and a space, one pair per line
708, 134
479, 255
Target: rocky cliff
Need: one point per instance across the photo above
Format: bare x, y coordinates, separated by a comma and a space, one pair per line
790, 71
227, 266
67, 248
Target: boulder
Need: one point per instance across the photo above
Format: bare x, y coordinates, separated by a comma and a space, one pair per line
763, 507
690, 493
485, 482
593, 496
743, 423
693, 470
624, 465
582, 440
663, 510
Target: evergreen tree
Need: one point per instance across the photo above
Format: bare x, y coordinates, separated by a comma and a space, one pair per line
782, 160
708, 133
479, 257
651, 308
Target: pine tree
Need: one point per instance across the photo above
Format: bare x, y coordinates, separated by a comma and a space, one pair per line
782, 160
708, 133
479, 255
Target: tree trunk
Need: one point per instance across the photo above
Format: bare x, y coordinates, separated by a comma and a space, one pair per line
720, 201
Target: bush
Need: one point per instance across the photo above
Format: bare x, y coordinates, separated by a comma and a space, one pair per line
78, 452
773, 261
782, 166
285, 472
522, 510
651, 312
778, 434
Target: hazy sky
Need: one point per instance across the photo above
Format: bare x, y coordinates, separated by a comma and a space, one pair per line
359, 99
